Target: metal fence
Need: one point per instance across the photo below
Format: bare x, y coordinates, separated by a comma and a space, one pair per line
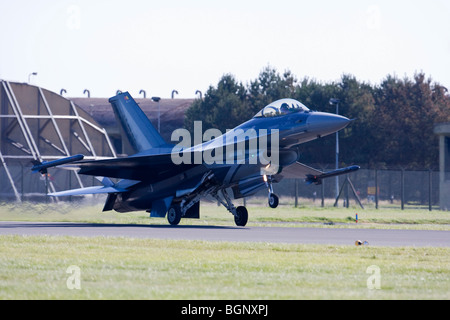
34, 187
374, 188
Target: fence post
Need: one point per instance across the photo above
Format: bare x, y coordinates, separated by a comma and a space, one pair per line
430, 182
323, 194
376, 189
296, 192
347, 198
402, 191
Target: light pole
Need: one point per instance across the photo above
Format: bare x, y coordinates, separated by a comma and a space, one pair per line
336, 102
31, 74
156, 99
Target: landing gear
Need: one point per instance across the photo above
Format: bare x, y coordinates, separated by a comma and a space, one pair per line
174, 214
240, 213
241, 216
273, 198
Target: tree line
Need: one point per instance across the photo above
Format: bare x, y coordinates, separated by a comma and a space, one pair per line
393, 121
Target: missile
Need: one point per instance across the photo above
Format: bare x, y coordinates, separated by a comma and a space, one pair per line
318, 178
43, 166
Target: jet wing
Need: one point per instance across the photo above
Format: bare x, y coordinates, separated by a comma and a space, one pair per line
299, 170
149, 168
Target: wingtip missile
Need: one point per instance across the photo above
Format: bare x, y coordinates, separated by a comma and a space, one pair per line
43, 166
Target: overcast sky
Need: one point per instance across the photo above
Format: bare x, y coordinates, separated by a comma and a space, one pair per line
185, 45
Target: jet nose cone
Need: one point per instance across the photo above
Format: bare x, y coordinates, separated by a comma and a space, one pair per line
322, 123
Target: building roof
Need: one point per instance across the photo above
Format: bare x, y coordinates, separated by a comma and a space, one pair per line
172, 113
442, 128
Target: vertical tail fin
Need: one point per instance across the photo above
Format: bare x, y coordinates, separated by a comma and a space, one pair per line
134, 124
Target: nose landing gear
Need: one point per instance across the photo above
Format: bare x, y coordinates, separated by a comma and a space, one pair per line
273, 198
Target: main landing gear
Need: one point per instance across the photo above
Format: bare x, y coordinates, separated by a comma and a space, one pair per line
240, 213
273, 198
174, 214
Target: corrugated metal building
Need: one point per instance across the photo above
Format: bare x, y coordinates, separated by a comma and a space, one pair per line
37, 124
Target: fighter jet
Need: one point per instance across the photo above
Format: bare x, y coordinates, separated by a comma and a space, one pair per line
170, 179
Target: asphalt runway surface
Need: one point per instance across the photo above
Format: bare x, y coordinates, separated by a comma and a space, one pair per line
301, 235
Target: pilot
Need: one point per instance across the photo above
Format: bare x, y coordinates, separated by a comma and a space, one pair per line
284, 108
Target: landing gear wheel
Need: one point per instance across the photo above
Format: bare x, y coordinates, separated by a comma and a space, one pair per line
174, 215
241, 216
273, 200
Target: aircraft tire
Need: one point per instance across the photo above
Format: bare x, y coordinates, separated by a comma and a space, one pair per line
273, 200
174, 215
241, 216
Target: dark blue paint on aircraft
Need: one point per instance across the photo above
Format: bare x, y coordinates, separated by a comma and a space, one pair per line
151, 180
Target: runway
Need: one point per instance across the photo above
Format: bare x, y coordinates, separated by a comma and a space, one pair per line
300, 235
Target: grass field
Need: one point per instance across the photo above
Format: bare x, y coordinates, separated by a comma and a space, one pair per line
117, 268
259, 215
35, 267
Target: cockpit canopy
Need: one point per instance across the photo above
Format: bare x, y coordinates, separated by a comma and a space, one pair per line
281, 107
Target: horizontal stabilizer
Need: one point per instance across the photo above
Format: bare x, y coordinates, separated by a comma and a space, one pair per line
88, 190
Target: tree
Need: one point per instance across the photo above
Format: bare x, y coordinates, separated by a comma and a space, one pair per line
223, 107
357, 103
270, 86
316, 97
393, 121
406, 113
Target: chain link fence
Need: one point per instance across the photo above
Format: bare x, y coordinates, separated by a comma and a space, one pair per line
19, 182
374, 188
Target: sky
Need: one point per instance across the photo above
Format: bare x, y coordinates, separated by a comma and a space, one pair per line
160, 46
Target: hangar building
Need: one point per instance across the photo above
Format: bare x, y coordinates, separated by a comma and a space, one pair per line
37, 124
